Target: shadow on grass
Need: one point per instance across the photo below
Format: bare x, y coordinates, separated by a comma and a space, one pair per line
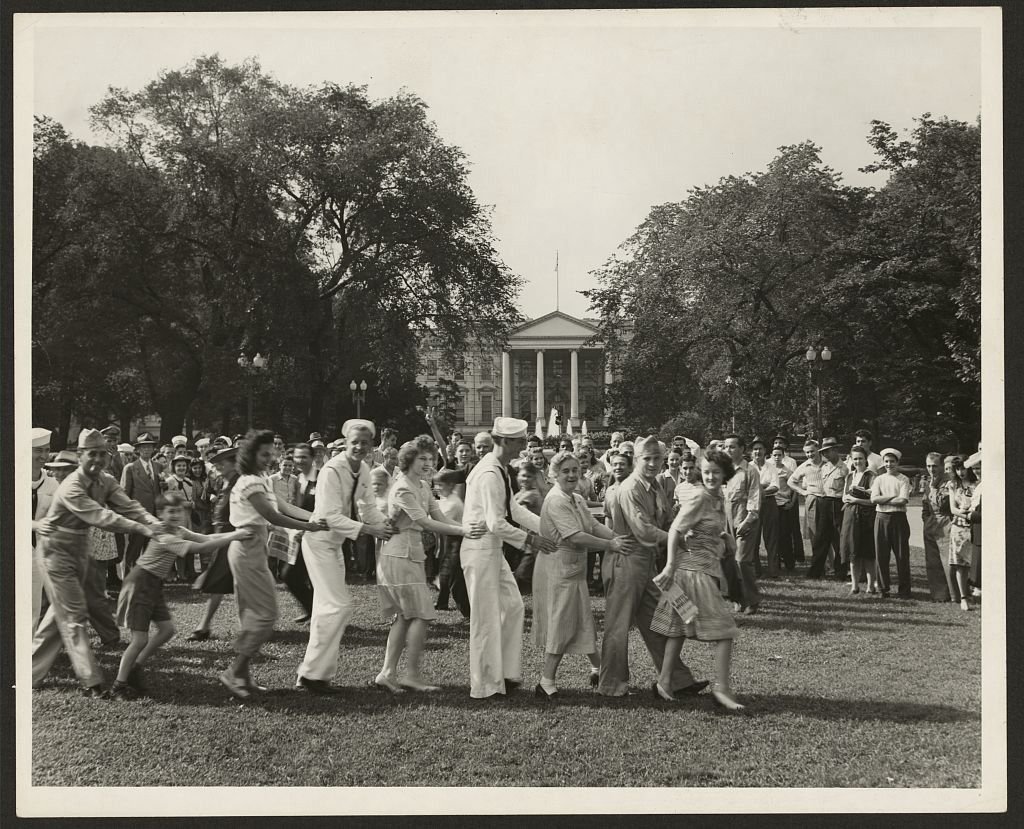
359, 700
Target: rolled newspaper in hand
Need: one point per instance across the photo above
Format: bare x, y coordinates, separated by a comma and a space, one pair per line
681, 603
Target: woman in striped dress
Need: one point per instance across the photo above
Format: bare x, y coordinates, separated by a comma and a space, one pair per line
562, 619
697, 542
405, 599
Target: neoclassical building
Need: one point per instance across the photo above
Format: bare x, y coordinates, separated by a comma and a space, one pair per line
550, 362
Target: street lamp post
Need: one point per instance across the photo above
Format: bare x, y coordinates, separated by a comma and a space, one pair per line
817, 360
252, 367
358, 395
730, 381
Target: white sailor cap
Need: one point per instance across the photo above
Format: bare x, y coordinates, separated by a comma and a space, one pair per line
40, 437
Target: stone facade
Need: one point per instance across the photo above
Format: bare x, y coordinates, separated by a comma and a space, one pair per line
556, 348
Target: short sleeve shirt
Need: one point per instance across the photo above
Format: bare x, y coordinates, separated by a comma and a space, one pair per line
162, 551
242, 512
563, 515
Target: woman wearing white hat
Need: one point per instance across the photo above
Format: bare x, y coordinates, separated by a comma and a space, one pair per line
345, 502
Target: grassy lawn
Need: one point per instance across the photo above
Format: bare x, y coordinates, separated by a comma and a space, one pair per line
841, 691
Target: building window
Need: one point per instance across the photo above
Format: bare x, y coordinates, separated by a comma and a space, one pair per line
459, 368
486, 415
486, 370
558, 366
460, 410
431, 368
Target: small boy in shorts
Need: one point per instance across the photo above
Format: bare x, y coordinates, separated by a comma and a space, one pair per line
142, 594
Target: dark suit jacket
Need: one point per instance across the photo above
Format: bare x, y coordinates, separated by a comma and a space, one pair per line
141, 486
116, 466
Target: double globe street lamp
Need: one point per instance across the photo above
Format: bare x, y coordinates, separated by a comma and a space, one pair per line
817, 360
252, 368
358, 395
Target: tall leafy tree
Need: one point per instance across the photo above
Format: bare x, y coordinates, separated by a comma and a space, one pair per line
727, 284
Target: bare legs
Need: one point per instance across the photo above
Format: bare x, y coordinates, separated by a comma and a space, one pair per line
141, 647
723, 662
406, 635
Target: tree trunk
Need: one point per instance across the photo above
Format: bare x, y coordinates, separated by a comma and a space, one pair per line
63, 427
172, 415
225, 420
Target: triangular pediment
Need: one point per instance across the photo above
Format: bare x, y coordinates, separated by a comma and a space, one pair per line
555, 324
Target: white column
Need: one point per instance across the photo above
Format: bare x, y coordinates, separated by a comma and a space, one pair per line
540, 391
574, 388
608, 379
506, 384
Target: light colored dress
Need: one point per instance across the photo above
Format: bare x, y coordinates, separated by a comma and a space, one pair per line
255, 593
698, 571
961, 549
563, 621
401, 572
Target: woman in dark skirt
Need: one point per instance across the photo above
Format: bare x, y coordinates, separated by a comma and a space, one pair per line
216, 580
857, 536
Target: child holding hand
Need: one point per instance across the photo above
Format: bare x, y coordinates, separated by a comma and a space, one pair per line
142, 595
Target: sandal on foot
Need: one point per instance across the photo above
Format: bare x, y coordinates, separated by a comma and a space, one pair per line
724, 699
386, 684
234, 684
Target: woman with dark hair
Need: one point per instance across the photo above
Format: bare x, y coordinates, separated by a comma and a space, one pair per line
857, 536
698, 540
405, 599
200, 497
960, 489
253, 506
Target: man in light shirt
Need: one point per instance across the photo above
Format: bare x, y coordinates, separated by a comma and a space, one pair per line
88, 497
344, 500
639, 514
743, 509
890, 493
496, 623
769, 508
788, 512
821, 484
862, 437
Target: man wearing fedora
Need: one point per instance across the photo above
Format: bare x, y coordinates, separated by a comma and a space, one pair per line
821, 480
496, 623
88, 497
142, 481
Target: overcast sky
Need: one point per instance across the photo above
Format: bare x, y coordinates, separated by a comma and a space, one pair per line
574, 128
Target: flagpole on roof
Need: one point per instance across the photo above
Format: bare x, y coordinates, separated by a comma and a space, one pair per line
556, 282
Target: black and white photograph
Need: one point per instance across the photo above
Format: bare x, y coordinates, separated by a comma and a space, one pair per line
508, 412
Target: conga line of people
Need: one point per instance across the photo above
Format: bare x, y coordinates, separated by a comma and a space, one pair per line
482, 521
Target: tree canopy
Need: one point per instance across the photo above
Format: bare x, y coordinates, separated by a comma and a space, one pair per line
739, 278
230, 212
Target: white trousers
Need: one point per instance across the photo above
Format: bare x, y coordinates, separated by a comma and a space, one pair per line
495, 619
37, 591
332, 605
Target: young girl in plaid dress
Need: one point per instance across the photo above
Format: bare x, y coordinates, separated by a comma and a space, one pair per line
697, 541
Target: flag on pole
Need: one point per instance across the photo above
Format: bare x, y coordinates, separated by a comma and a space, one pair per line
583, 428
553, 423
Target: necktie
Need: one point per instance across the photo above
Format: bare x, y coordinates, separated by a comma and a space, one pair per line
35, 506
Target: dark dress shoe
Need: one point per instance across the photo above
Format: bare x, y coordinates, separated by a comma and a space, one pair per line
95, 692
595, 679
123, 693
692, 690
542, 694
511, 685
317, 686
198, 636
